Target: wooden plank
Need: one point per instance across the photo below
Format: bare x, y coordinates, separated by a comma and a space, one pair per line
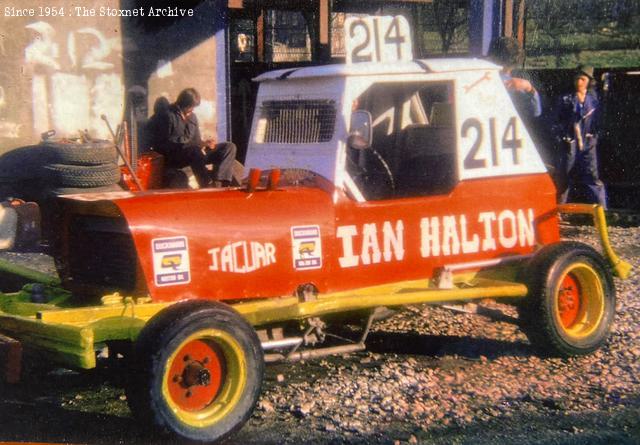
260, 36
508, 18
521, 23
324, 22
10, 359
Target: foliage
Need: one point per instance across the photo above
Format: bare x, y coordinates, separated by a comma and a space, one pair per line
443, 25
450, 19
562, 30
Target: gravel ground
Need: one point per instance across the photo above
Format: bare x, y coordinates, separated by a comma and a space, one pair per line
461, 372
428, 377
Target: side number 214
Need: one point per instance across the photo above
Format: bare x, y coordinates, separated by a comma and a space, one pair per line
474, 128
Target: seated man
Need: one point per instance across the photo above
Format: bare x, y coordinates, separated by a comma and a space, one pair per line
174, 133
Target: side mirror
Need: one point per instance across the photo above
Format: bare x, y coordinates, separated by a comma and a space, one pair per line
360, 134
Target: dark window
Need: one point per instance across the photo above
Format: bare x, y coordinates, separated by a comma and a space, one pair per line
287, 37
243, 40
413, 145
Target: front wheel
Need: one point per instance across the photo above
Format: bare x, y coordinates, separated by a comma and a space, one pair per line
197, 371
571, 303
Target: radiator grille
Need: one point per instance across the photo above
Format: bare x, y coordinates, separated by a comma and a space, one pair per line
102, 253
298, 121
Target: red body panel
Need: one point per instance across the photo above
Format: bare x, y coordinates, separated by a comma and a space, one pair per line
241, 245
463, 206
150, 167
216, 219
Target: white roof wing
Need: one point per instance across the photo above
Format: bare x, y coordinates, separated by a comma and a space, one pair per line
373, 68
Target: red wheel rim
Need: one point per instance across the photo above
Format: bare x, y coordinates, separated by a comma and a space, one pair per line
569, 300
196, 375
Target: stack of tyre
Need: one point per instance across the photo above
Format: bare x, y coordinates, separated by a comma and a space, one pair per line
81, 167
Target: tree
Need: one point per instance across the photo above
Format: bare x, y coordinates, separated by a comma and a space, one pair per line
451, 21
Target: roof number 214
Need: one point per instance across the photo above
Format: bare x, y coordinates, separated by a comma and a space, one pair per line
377, 39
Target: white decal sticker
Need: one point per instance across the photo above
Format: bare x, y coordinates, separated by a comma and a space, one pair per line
449, 235
171, 261
307, 247
242, 256
392, 242
440, 236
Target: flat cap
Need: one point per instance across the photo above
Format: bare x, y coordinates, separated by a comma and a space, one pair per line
585, 70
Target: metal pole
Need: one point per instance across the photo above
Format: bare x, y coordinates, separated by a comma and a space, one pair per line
124, 158
284, 343
315, 353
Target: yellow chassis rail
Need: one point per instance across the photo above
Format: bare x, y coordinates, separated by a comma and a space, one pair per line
70, 336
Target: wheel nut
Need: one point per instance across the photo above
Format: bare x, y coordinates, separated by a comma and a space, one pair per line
204, 377
188, 394
186, 358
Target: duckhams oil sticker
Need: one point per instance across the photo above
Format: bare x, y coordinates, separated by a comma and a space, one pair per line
307, 247
171, 261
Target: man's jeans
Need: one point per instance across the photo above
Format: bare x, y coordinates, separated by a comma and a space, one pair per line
580, 166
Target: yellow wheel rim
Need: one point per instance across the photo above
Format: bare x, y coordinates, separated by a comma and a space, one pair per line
204, 377
579, 301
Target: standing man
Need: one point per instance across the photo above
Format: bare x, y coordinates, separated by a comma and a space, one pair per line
506, 51
175, 134
576, 130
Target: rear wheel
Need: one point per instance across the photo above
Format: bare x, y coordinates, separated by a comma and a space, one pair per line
197, 371
571, 302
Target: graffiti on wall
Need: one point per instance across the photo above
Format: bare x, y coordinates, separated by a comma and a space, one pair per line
8, 128
75, 79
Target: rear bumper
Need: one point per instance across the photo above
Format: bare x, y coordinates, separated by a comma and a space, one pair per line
71, 336
621, 268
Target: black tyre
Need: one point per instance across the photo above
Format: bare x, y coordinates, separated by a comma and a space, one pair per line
197, 371
83, 176
571, 303
73, 190
96, 152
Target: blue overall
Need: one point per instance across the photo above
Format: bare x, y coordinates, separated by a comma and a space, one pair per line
576, 127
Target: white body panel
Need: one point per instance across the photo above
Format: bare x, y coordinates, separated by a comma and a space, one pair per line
485, 117
317, 157
482, 96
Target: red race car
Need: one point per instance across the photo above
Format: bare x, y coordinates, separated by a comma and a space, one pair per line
372, 186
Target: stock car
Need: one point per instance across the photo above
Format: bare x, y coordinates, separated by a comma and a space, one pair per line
371, 186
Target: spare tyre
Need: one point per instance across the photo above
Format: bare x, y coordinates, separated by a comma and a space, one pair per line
83, 175
58, 191
95, 152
